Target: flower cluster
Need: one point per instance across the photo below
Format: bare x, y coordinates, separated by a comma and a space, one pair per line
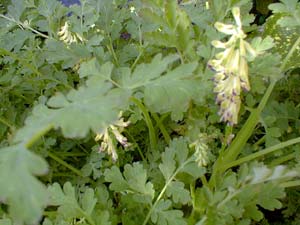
202, 152
231, 68
67, 36
111, 135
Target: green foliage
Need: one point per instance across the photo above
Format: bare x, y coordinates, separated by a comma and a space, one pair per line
135, 180
283, 27
135, 74
18, 167
68, 205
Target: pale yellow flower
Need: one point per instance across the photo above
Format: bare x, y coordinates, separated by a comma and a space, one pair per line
231, 68
67, 36
111, 133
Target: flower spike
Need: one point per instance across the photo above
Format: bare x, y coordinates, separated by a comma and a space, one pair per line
231, 68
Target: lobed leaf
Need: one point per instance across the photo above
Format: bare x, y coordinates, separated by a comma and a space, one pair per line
19, 188
178, 193
134, 180
162, 215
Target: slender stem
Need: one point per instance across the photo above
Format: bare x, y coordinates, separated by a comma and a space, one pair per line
87, 217
244, 134
161, 127
204, 180
37, 136
191, 219
289, 55
137, 59
259, 142
226, 141
292, 183
242, 137
137, 146
81, 147
112, 51
180, 55
142, 49
152, 135
5, 122
162, 192
62, 175
282, 159
260, 153
25, 25
70, 154
65, 164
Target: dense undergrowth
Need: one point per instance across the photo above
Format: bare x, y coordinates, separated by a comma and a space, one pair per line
149, 112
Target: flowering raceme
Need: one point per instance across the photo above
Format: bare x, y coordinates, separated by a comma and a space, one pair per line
111, 134
67, 36
231, 68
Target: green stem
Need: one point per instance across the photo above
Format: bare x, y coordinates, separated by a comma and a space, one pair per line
204, 180
162, 192
162, 128
137, 146
62, 175
70, 154
244, 134
112, 51
292, 183
81, 147
289, 55
282, 159
242, 137
24, 26
137, 59
259, 142
37, 136
62, 162
142, 48
152, 135
180, 55
191, 219
87, 217
260, 153
5, 122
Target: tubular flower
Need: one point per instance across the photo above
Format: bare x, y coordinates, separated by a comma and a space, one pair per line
231, 68
111, 135
67, 36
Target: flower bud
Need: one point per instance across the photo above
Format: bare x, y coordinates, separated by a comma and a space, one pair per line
250, 50
237, 16
219, 77
232, 65
243, 73
218, 44
225, 28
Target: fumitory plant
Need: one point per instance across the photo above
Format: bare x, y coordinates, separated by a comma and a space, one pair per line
148, 112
